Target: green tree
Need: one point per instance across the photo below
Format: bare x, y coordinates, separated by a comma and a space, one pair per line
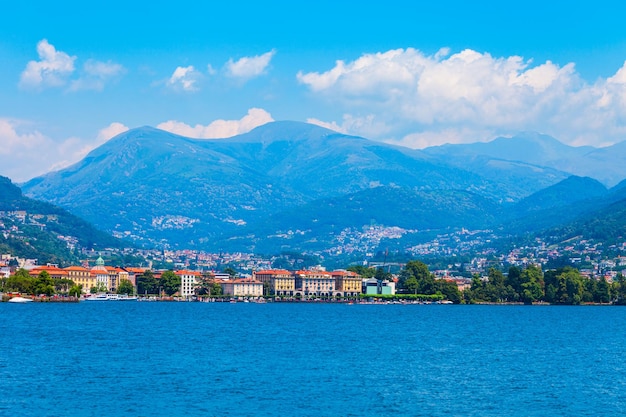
206, 285
419, 271
495, 289
620, 290
410, 285
125, 287
76, 290
100, 287
363, 271
21, 282
603, 291
514, 280
62, 285
170, 282
532, 284
231, 272
43, 284
147, 283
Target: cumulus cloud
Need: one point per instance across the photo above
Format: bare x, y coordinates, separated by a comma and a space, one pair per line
420, 99
110, 131
220, 128
328, 125
184, 78
52, 69
96, 74
27, 153
249, 67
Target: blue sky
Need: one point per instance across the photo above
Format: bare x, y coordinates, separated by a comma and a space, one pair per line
72, 74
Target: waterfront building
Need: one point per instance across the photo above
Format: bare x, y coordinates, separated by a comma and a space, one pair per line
133, 273
317, 283
188, 282
279, 281
116, 275
101, 274
81, 276
374, 287
54, 271
242, 288
347, 283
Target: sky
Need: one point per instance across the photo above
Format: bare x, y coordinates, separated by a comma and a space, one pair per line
417, 74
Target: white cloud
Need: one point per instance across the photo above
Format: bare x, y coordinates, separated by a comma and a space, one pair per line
184, 78
220, 128
52, 69
15, 140
249, 67
367, 126
96, 74
26, 152
110, 131
459, 97
328, 125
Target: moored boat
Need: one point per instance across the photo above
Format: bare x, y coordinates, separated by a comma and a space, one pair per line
20, 300
111, 297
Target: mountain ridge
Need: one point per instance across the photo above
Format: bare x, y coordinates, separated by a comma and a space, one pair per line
164, 188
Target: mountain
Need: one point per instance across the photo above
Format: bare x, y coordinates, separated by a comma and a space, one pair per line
556, 205
157, 186
297, 186
36, 229
540, 153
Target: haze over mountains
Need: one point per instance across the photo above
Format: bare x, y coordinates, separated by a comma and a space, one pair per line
290, 185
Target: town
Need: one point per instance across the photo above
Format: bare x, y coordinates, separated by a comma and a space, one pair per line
456, 256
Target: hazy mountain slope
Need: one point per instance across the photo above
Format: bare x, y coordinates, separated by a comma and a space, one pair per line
157, 185
555, 205
324, 220
232, 193
543, 153
37, 235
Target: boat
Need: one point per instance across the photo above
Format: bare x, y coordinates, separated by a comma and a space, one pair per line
20, 300
111, 297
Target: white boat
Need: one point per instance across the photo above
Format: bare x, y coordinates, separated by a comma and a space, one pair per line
111, 297
20, 300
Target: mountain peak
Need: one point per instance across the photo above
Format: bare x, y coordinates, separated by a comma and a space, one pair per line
286, 130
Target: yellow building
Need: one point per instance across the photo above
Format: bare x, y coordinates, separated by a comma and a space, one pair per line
280, 281
347, 283
81, 276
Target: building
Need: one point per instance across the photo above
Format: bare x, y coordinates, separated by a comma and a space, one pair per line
81, 276
101, 274
347, 283
374, 287
188, 282
317, 283
54, 271
242, 288
116, 275
279, 281
133, 273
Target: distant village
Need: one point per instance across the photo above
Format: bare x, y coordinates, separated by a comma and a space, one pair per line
316, 282
468, 254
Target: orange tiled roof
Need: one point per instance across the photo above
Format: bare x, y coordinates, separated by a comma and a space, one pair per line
76, 268
184, 272
272, 272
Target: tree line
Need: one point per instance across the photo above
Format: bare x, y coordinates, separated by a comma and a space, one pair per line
564, 285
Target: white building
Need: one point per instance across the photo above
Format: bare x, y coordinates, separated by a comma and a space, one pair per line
242, 288
188, 282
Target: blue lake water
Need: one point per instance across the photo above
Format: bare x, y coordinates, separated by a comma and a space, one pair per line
218, 359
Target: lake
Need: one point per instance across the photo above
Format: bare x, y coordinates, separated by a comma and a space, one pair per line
220, 359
